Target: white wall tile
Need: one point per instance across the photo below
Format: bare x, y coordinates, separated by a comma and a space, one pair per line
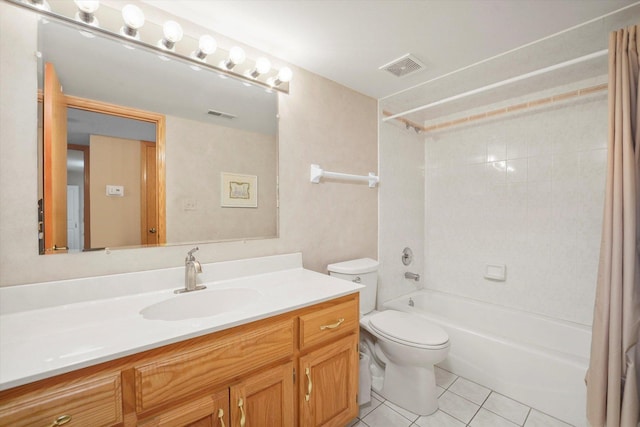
517, 170
539, 211
539, 169
401, 208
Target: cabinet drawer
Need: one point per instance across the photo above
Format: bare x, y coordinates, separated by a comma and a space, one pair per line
210, 410
327, 323
95, 402
168, 379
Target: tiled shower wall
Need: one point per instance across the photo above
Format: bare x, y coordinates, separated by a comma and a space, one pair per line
400, 210
526, 191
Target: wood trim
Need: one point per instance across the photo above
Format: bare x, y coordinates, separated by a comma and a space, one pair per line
112, 109
86, 152
504, 110
143, 192
145, 221
146, 116
161, 179
54, 163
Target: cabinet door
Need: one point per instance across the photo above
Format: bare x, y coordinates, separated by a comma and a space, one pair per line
264, 399
329, 384
209, 411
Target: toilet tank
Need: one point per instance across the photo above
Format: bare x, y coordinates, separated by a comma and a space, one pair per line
363, 271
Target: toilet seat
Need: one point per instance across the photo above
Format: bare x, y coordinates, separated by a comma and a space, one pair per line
409, 329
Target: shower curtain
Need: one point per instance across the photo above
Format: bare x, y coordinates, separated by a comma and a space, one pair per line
612, 380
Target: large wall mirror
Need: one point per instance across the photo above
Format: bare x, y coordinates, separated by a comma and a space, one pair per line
155, 150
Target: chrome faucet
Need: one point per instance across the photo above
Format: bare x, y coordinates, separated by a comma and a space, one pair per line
412, 276
191, 268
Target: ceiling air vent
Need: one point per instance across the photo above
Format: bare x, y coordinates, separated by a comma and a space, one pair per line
221, 114
403, 66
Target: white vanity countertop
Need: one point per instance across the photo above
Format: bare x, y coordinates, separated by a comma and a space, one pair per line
43, 342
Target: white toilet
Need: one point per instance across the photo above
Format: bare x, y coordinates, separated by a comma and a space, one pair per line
407, 345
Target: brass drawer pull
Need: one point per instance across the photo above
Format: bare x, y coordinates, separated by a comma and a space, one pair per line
61, 420
243, 418
307, 372
221, 417
333, 325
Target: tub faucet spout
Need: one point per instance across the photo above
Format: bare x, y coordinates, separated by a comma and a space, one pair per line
412, 276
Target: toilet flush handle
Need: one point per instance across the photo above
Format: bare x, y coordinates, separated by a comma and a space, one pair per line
357, 280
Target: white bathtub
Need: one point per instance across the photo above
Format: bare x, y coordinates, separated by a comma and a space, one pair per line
533, 359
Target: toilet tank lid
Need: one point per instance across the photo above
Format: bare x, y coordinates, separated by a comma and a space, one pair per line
356, 266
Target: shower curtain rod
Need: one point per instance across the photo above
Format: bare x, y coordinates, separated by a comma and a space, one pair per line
500, 84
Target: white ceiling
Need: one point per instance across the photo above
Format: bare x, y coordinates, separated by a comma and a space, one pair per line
348, 40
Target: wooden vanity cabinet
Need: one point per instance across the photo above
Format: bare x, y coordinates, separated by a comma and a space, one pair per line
253, 375
328, 365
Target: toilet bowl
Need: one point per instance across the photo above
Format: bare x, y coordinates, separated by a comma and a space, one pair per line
406, 346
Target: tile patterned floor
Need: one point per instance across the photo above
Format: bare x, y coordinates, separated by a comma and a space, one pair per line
461, 403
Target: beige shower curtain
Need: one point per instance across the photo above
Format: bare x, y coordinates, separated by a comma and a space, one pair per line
612, 380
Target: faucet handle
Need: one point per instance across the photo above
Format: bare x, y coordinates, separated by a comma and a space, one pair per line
190, 256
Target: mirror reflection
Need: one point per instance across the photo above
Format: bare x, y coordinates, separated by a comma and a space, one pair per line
154, 151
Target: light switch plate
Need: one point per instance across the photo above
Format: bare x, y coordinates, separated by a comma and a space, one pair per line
115, 190
189, 204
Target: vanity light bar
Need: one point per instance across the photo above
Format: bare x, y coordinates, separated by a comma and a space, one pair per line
131, 36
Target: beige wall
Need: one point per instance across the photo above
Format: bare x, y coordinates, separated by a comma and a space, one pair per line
320, 122
196, 154
115, 220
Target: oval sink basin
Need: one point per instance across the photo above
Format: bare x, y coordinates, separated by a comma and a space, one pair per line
205, 303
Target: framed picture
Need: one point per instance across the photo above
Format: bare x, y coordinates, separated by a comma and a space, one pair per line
238, 191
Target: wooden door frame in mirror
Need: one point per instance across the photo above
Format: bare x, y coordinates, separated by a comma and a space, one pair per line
145, 116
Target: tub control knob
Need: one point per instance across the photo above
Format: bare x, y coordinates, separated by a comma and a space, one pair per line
407, 256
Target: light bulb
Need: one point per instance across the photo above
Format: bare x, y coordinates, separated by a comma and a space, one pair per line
133, 21
237, 55
263, 65
41, 4
285, 74
206, 46
172, 34
87, 6
172, 31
